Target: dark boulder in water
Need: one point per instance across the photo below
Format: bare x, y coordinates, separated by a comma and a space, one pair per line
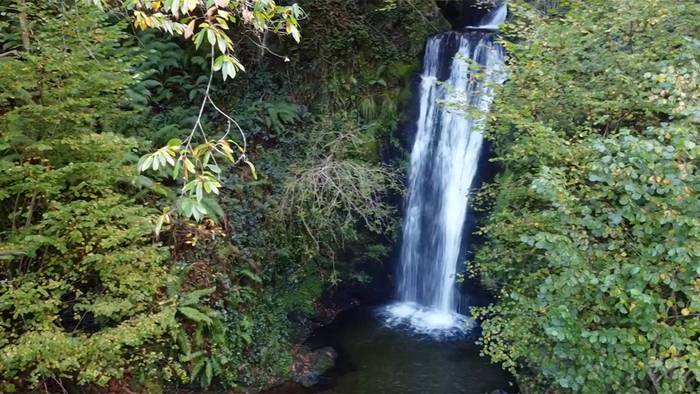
310, 365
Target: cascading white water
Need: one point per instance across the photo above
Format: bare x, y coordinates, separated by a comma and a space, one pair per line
443, 165
493, 19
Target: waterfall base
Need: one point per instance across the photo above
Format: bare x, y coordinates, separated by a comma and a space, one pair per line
435, 323
373, 358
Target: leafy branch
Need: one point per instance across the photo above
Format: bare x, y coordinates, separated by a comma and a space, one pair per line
193, 161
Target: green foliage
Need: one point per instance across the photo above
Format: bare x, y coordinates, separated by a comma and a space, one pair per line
360, 50
80, 279
88, 301
594, 243
200, 344
260, 351
272, 266
195, 164
303, 299
279, 115
330, 191
357, 52
213, 20
172, 72
234, 332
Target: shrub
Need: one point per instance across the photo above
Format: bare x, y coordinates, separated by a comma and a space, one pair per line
594, 236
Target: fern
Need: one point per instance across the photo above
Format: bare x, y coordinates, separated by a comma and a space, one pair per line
368, 108
278, 115
389, 108
199, 341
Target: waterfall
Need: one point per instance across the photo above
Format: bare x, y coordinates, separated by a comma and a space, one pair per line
493, 19
458, 67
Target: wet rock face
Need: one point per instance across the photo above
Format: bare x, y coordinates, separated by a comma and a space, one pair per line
461, 13
310, 365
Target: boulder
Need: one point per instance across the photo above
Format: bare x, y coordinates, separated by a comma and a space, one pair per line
310, 365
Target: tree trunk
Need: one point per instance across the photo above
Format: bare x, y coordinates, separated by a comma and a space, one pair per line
24, 25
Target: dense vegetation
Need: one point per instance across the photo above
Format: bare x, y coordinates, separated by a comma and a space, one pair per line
165, 225
91, 299
594, 239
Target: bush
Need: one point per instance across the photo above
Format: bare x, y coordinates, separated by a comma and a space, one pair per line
81, 277
594, 236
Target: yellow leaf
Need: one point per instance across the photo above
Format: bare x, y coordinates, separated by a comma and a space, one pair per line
189, 30
252, 169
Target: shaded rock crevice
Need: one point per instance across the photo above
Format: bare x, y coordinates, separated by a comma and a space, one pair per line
461, 13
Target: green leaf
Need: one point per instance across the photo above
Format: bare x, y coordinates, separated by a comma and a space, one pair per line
195, 315
211, 36
208, 374
251, 275
177, 167
197, 368
219, 62
194, 297
221, 42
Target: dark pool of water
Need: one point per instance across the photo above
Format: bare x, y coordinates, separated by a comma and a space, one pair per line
374, 359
